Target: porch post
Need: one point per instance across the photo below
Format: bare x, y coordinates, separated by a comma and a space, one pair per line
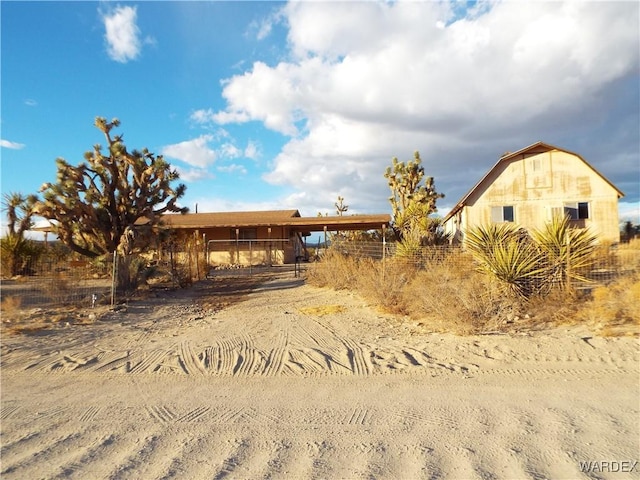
238, 246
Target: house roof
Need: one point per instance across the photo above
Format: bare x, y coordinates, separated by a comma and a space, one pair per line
345, 222
268, 218
229, 219
538, 147
279, 218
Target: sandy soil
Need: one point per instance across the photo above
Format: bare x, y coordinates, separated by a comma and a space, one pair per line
230, 379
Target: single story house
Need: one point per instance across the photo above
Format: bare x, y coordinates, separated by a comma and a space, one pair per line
261, 237
531, 185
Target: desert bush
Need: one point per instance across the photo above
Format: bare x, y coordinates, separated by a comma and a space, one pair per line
449, 298
129, 270
551, 258
443, 295
385, 283
614, 309
16, 254
335, 270
10, 307
629, 255
448, 294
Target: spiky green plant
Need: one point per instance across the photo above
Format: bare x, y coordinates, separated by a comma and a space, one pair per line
410, 247
504, 253
569, 251
16, 250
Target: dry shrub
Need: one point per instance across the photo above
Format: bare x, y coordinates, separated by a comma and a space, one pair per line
385, 283
558, 307
459, 300
336, 270
10, 307
614, 309
450, 295
628, 255
445, 296
58, 289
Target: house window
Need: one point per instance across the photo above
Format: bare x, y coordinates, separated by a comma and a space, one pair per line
502, 214
244, 234
577, 210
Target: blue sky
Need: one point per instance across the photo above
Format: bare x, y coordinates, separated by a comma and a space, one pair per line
265, 105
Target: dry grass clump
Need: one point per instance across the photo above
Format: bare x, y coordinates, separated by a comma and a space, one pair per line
335, 270
10, 307
615, 309
457, 300
450, 295
444, 296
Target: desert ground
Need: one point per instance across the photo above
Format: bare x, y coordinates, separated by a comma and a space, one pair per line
268, 377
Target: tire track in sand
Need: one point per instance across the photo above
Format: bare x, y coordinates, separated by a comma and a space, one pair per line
249, 359
358, 359
278, 356
189, 361
150, 361
161, 413
327, 356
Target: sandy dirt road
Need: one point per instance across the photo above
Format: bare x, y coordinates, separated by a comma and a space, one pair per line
292, 381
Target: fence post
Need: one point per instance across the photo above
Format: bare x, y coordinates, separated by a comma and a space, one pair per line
568, 269
114, 277
384, 251
238, 246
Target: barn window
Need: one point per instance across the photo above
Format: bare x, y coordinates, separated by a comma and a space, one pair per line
502, 214
577, 210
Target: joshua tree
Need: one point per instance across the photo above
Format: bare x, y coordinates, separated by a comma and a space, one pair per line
411, 200
16, 249
108, 201
340, 206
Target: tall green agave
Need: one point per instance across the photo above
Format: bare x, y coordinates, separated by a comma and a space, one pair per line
569, 251
506, 254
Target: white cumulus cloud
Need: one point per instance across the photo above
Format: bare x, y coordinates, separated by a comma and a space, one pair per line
195, 152
122, 34
193, 174
366, 81
233, 168
252, 150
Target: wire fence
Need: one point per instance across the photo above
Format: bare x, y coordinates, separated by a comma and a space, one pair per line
49, 282
607, 264
45, 282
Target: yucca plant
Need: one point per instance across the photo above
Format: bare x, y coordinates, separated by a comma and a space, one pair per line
569, 251
410, 247
506, 254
